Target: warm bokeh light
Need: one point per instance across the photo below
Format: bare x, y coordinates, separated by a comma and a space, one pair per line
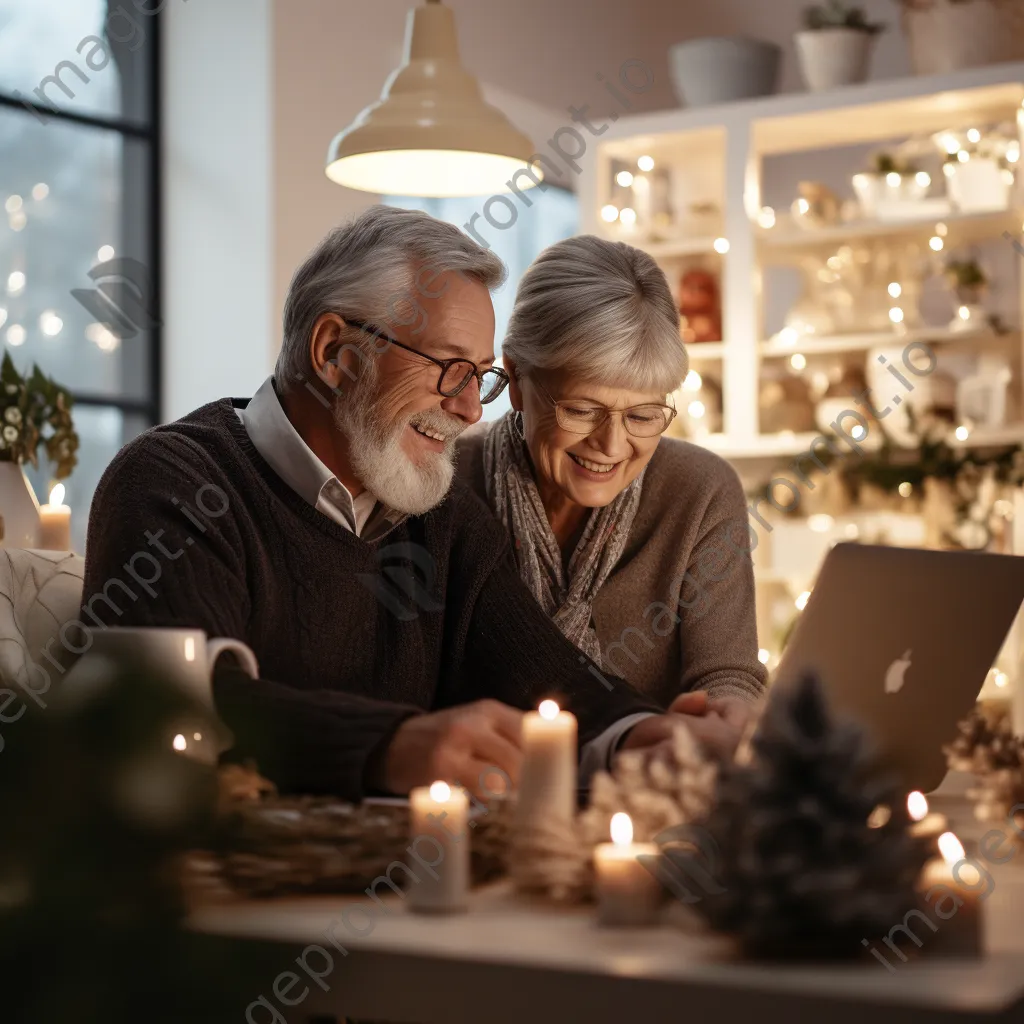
622, 829
906, 489
951, 848
801, 601
609, 213
721, 246
627, 216
895, 289
548, 710
693, 381
646, 163
179, 742
917, 805
763, 656
624, 178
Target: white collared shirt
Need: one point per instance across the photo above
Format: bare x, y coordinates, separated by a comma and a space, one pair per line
275, 438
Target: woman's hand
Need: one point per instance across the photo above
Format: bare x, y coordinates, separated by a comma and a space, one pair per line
718, 724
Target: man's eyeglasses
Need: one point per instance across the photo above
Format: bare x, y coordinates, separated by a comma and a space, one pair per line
455, 373
582, 417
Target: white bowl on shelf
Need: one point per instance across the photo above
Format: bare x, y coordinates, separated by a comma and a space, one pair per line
882, 194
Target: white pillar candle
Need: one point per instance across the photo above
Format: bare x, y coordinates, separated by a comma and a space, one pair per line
439, 815
953, 889
627, 893
547, 782
55, 522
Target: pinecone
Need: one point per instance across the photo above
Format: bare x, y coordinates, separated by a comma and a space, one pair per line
802, 872
672, 786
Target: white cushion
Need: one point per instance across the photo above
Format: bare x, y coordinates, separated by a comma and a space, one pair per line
39, 592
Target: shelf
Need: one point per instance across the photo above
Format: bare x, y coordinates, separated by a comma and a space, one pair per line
764, 446
810, 345
679, 248
873, 111
963, 229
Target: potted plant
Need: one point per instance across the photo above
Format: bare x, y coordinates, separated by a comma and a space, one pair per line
945, 35
834, 49
889, 181
34, 412
969, 283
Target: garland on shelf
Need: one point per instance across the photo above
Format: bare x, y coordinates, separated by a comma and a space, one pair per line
986, 745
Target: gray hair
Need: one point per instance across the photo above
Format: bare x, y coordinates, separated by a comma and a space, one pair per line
602, 310
375, 268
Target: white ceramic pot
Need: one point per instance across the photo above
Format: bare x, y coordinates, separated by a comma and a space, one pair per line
723, 69
945, 36
830, 58
19, 508
880, 195
978, 185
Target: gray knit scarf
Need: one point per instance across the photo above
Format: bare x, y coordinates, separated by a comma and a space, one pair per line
567, 597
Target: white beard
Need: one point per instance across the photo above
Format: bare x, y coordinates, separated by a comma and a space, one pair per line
377, 457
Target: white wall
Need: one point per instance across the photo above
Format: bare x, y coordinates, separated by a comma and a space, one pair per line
218, 200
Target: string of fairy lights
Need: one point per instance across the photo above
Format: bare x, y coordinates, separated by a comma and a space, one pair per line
14, 314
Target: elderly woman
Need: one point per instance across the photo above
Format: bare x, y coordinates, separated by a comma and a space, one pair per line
635, 544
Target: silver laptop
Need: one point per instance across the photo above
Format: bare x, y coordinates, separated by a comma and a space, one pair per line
902, 640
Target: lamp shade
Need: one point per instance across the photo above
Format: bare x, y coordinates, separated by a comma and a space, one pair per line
431, 133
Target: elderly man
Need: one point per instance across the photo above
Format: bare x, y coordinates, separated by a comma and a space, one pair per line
317, 522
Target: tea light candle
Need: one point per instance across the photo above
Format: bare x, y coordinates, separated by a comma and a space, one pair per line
439, 849
953, 897
547, 781
926, 824
627, 893
55, 522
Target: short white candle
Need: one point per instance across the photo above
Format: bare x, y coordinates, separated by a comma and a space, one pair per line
953, 889
627, 893
439, 815
55, 522
547, 781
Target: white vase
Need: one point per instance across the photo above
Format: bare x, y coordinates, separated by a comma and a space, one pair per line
946, 35
830, 58
19, 509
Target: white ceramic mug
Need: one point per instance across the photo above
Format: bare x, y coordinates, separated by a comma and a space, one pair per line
187, 657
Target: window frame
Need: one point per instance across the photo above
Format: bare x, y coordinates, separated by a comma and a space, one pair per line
149, 131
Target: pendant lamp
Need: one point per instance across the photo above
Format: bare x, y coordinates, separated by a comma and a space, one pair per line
431, 133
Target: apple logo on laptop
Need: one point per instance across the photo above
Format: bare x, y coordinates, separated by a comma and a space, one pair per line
896, 671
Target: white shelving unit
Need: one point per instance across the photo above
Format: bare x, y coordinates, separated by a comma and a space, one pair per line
731, 143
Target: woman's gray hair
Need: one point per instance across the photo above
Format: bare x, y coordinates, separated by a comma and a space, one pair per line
377, 268
600, 310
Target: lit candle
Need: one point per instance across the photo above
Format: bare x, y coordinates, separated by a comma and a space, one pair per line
953, 889
627, 893
547, 781
439, 849
926, 824
55, 522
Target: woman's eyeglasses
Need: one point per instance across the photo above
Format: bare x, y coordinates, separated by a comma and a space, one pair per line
583, 417
455, 373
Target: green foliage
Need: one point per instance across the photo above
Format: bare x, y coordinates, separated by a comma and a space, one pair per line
965, 274
837, 14
35, 411
886, 163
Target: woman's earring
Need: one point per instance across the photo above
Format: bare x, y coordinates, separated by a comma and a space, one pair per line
517, 426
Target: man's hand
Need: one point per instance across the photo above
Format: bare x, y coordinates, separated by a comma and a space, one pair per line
461, 745
717, 724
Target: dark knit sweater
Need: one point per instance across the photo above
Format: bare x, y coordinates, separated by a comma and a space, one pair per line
345, 653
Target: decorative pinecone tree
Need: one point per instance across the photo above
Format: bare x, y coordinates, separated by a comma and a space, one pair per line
802, 873
662, 790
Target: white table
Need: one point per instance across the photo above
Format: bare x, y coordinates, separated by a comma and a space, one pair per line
506, 962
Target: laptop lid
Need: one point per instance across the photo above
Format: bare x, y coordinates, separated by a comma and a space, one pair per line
902, 639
